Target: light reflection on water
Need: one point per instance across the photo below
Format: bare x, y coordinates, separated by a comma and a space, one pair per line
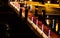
48, 21
53, 23
59, 31
56, 27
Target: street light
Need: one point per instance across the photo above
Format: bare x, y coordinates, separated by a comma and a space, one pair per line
48, 2
30, 0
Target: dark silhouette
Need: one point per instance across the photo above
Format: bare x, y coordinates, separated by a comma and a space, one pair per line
18, 28
26, 14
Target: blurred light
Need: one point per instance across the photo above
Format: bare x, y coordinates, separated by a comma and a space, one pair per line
42, 27
59, 31
30, 0
57, 1
7, 25
49, 34
30, 7
32, 18
48, 2
21, 0
37, 21
53, 23
36, 4
47, 16
7, 29
15, 0
47, 21
25, 2
42, 13
56, 27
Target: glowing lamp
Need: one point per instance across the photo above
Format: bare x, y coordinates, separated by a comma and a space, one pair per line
48, 1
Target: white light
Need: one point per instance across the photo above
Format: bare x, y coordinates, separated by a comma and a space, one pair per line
37, 22
49, 34
47, 16
48, 2
30, 0
53, 23
32, 18
42, 27
47, 21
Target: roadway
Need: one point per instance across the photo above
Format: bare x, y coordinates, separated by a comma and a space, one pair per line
51, 9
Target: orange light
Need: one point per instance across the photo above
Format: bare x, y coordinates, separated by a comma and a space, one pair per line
56, 27
15, 0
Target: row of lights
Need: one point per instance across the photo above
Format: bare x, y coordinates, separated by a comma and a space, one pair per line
48, 21
31, 0
21, 0
42, 26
